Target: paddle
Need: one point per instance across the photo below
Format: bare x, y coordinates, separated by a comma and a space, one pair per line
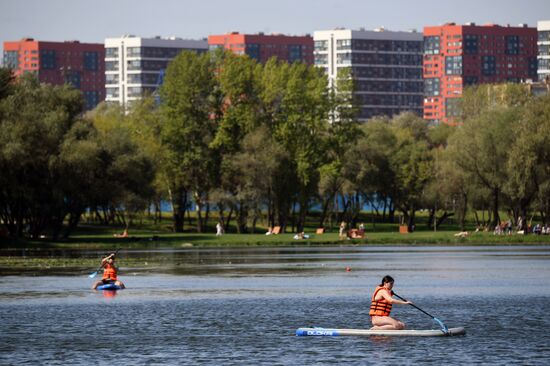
443, 326
92, 275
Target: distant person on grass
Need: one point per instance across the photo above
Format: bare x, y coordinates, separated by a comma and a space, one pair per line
219, 229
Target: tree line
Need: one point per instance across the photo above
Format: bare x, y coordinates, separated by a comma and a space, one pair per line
264, 143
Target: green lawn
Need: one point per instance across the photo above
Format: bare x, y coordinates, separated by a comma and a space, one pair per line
103, 239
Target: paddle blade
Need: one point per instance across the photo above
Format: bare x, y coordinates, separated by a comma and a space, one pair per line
92, 275
443, 326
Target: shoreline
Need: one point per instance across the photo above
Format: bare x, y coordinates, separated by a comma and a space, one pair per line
155, 240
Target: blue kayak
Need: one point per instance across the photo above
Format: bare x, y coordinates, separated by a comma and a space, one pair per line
109, 286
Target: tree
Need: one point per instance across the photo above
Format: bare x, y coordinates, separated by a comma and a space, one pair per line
145, 125
188, 112
529, 162
249, 176
305, 105
412, 163
125, 185
342, 134
6, 82
481, 149
367, 165
34, 120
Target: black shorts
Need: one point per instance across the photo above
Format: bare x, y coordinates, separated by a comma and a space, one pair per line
107, 281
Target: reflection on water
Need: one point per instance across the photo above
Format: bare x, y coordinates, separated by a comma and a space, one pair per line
231, 306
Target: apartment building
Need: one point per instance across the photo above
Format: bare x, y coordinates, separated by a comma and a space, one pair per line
78, 64
262, 47
456, 56
386, 67
543, 43
134, 66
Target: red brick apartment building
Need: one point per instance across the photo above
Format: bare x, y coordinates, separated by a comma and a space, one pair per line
456, 56
79, 64
262, 47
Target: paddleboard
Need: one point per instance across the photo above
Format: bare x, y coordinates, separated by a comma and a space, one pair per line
109, 286
326, 332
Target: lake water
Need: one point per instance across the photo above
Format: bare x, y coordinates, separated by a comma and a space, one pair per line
242, 306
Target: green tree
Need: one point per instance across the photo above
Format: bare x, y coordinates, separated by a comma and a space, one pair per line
481, 149
6, 82
145, 125
529, 162
342, 134
188, 113
368, 165
412, 163
125, 187
302, 133
35, 119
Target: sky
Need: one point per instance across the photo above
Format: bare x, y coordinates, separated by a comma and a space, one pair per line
93, 21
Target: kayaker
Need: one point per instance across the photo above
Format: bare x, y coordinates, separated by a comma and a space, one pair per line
110, 272
381, 305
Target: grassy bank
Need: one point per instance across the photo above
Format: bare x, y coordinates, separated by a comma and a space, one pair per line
94, 242
103, 239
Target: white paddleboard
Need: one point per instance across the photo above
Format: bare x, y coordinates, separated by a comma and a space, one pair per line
367, 332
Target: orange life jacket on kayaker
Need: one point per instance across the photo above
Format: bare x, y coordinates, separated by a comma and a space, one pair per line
379, 307
109, 272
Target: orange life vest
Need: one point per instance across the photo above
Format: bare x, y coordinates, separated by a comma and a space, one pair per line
379, 307
109, 272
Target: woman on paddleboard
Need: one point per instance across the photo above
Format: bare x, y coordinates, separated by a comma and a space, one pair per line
381, 305
110, 272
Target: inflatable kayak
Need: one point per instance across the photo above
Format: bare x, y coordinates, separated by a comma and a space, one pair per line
109, 286
367, 332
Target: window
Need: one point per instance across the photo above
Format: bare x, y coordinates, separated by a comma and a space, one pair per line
134, 91
11, 59
111, 79
321, 59
544, 36
91, 99
488, 65
294, 53
453, 65
134, 65
512, 45
112, 92
253, 51
133, 51
533, 66
111, 65
343, 44
470, 80
91, 61
111, 52
431, 45
343, 58
471, 43
72, 77
144, 78
321, 45
47, 59
431, 87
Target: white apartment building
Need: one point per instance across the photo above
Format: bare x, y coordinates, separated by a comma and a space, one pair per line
543, 43
386, 67
133, 65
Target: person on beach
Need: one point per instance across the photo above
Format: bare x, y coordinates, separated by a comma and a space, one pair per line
110, 272
219, 229
381, 305
342, 231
